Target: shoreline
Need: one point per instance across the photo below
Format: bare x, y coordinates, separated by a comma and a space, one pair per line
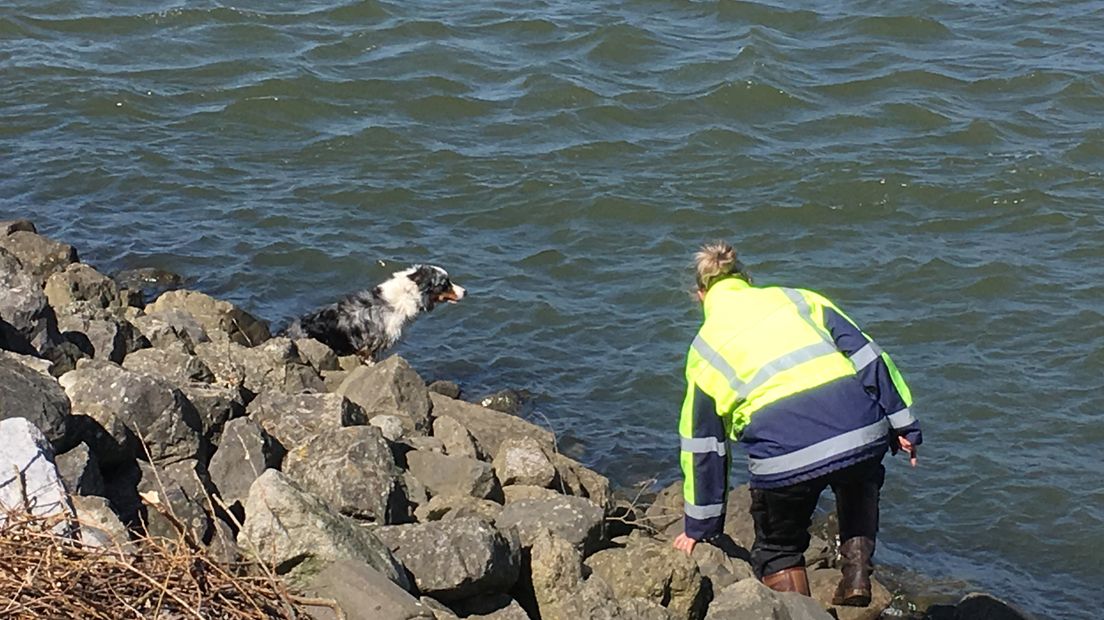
424, 468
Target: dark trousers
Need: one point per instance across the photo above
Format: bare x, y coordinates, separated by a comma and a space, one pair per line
782, 516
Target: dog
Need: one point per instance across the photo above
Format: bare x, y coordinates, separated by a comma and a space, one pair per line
369, 322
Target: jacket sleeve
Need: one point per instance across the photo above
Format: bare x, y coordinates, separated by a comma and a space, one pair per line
877, 371
705, 460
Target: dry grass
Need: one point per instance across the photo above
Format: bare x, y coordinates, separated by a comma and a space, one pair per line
44, 575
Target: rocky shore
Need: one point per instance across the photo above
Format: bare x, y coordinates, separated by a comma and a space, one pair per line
181, 416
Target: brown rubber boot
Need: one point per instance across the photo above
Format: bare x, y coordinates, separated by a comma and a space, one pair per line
788, 580
856, 565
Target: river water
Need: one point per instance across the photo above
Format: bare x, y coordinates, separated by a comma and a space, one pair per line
932, 166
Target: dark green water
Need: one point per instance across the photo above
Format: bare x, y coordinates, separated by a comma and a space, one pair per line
934, 167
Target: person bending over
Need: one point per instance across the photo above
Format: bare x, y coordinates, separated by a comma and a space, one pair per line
815, 402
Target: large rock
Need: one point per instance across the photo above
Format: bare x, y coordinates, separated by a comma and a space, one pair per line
522, 460
126, 410
353, 469
317, 354
27, 315
171, 328
39, 256
244, 453
274, 365
80, 282
181, 489
363, 594
557, 574
666, 510
297, 533
103, 335
293, 419
454, 475
751, 599
656, 571
448, 507
175, 365
80, 472
7, 227
391, 387
148, 282
215, 404
573, 478
456, 439
489, 427
216, 316
452, 560
982, 606
27, 393
578, 521
493, 607
100, 527
29, 480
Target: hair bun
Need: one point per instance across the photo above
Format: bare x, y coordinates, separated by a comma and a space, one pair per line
714, 261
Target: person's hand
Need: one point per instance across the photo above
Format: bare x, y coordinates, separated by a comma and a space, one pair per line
685, 543
907, 446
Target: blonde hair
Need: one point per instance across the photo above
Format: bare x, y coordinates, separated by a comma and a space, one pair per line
717, 260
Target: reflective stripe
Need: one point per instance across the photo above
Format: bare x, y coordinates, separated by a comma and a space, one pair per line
866, 356
901, 419
806, 312
714, 358
703, 512
819, 451
789, 361
703, 445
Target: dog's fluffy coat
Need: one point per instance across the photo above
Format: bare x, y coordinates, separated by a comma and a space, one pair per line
371, 321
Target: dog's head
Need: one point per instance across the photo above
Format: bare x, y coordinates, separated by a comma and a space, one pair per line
434, 285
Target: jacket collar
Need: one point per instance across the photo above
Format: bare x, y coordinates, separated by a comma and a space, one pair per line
722, 290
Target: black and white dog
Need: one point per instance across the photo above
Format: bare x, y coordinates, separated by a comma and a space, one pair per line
369, 322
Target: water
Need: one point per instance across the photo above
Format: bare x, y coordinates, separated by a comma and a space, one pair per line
932, 166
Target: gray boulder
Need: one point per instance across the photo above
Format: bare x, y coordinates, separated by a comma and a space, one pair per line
456, 438
216, 316
722, 567
489, 427
518, 492
244, 452
522, 460
171, 328
363, 594
297, 533
180, 489
390, 387
80, 472
293, 419
557, 574
448, 507
127, 410
452, 560
982, 606
445, 388
454, 475
274, 365
573, 478
174, 365
215, 405
39, 256
148, 282
29, 480
29, 320
7, 227
390, 426
317, 354
656, 571
751, 599
100, 527
493, 607
27, 393
80, 282
578, 521
99, 333
352, 469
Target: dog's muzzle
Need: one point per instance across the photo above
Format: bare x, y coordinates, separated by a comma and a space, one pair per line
455, 294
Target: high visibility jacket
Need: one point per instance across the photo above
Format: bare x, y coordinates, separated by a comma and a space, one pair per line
789, 375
